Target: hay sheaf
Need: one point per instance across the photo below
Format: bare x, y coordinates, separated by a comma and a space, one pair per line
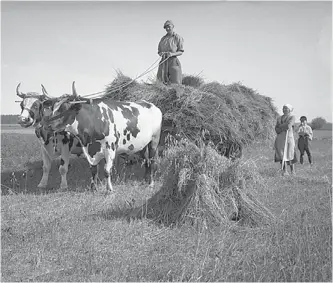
228, 115
201, 186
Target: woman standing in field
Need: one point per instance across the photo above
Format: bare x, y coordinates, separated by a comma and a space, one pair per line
285, 143
169, 48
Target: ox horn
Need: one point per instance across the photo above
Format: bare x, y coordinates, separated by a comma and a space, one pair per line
74, 89
45, 92
18, 93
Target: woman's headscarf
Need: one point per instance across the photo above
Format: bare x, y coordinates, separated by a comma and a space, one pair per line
289, 106
168, 22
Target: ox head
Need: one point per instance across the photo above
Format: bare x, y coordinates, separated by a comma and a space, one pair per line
60, 112
31, 106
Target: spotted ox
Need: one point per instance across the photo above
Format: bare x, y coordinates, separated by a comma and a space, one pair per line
53, 144
107, 128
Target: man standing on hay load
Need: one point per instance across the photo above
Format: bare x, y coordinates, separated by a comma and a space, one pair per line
169, 47
284, 145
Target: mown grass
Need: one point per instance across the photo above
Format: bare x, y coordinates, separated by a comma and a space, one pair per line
80, 236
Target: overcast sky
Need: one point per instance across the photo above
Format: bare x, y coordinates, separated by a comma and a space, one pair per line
280, 49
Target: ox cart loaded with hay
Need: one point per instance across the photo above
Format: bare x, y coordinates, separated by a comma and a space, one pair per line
204, 130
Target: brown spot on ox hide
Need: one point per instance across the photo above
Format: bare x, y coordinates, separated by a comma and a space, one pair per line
107, 145
144, 104
93, 148
91, 126
128, 137
124, 141
66, 138
116, 105
116, 135
131, 147
46, 136
132, 120
111, 115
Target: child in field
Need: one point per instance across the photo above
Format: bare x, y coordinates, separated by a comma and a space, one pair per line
305, 135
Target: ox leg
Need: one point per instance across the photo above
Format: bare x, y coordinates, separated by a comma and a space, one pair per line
46, 169
94, 171
152, 151
150, 161
109, 159
63, 168
147, 163
116, 167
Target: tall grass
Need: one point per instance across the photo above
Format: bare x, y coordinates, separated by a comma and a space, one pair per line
75, 236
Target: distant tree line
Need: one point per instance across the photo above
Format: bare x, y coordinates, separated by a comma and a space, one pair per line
318, 123
9, 119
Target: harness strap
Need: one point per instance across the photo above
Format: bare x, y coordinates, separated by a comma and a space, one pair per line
58, 116
31, 113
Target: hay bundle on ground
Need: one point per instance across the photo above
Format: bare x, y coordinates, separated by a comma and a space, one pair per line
199, 185
230, 116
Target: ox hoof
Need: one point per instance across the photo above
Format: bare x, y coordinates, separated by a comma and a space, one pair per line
109, 195
93, 187
148, 180
109, 188
235, 217
151, 185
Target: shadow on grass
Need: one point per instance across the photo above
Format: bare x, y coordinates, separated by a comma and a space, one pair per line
78, 177
129, 214
132, 208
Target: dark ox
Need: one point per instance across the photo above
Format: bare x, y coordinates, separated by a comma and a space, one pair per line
53, 144
107, 128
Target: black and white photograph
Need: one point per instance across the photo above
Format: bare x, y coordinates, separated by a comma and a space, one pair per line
166, 141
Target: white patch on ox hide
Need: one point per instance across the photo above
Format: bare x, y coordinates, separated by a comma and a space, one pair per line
145, 118
73, 128
28, 105
121, 125
149, 121
94, 160
25, 114
102, 108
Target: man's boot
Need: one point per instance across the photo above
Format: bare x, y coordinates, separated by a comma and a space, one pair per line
310, 159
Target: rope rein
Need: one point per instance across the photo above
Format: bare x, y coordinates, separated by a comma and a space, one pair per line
47, 121
88, 98
149, 69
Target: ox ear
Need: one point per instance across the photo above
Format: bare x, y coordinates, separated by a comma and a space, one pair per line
57, 104
48, 103
18, 93
74, 90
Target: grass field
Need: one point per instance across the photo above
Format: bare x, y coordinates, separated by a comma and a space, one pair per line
79, 236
